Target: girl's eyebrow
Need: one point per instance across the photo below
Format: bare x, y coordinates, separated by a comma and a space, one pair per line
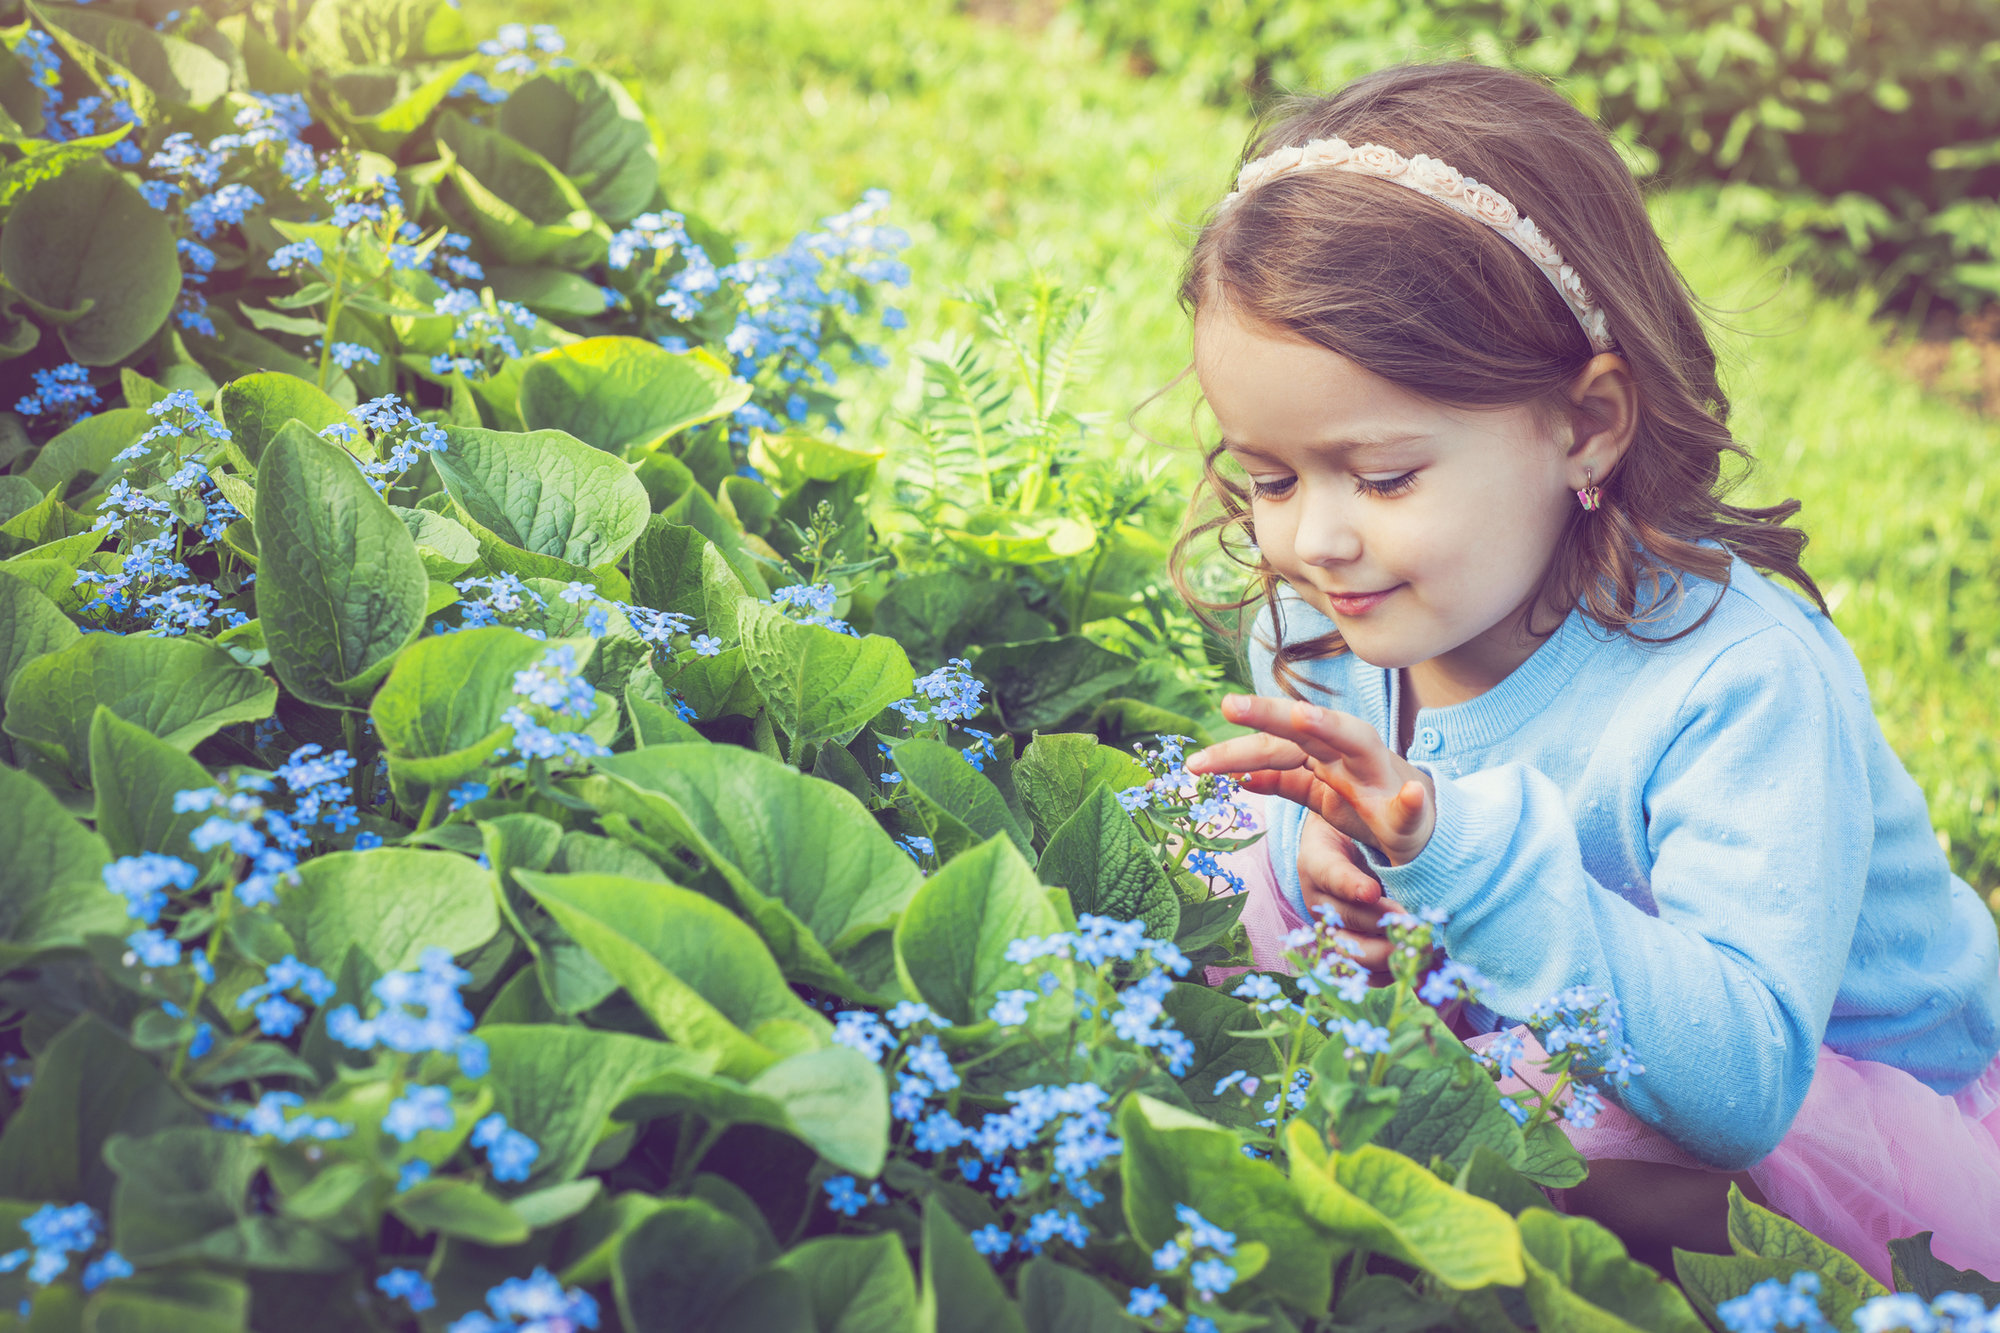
1334, 448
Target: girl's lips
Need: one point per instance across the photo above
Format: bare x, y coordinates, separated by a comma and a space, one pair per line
1359, 605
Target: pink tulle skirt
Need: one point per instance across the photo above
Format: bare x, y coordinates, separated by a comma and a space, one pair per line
1872, 1156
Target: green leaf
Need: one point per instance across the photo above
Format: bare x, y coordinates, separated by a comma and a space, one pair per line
680, 1267
936, 616
1917, 1270
88, 447
391, 903
667, 570
1208, 1018
525, 210
1580, 1281
1376, 1199
44, 160
589, 128
545, 492
819, 685
136, 777
951, 944
181, 690
1489, 1175
857, 1284
1037, 685
438, 713
1059, 1299
697, 510
89, 1084
546, 290
1058, 772
1711, 1279
170, 1302
626, 394
960, 1292
1173, 1156
1447, 1111
806, 861
340, 589
460, 1209
700, 974
559, 1085
52, 890
86, 246
175, 1187
256, 407
171, 73
1109, 869
1757, 1231
30, 625
961, 798
833, 1099
446, 546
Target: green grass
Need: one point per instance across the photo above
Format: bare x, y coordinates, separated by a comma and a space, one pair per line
1006, 148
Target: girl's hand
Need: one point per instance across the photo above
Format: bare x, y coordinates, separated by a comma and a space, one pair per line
1333, 874
1331, 763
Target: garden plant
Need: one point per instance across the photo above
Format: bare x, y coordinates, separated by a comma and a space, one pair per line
514, 817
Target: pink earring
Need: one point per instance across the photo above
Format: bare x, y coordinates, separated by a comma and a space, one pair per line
1589, 497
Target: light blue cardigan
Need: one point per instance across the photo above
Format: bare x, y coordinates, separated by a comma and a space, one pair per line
1712, 829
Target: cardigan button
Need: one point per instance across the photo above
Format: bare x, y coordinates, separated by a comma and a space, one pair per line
1429, 739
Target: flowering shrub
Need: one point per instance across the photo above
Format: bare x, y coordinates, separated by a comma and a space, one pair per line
500, 837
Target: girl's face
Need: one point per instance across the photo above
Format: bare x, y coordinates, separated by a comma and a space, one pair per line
1423, 530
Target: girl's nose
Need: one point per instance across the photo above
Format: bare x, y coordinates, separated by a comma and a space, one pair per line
1327, 535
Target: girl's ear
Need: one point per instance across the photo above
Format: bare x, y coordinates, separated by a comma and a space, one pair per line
1604, 416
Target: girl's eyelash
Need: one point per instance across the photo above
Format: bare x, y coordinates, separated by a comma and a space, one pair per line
1393, 486
1274, 490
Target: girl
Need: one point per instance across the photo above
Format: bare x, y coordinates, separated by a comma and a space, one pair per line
1519, 661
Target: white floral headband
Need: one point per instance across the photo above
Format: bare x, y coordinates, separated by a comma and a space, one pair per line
1444, 183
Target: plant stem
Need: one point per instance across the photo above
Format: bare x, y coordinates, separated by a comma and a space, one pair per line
332, 313
431, 804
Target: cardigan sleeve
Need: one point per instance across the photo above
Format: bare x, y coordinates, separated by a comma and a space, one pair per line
1760, 822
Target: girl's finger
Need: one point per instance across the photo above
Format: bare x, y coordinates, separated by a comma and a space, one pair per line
1323, 733
1370, 951
1241, 754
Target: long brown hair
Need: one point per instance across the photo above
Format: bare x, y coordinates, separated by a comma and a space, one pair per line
1441, 306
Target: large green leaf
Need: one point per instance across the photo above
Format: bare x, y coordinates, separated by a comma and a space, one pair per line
1056, 1298
391, 903
256, 407
1209, 1020
1580, 1280
960, 1292
625, 394
558, 1085
172, 73
177, 1186
171, 1302
820, 685
136, 776
806, 861
1375, 1199
89, 1084
525, 210
691, 1266
967, 806
30, 625
1173, 1156
340, 588
445, 545
52, 890
89, 447
545, 492
951, 944
588, 127
181, 690
1109, 869
1058, 772
438, 713
935, 616
699, 973
833, 1099
857, 1284
1756, 1230
1918, 1270
667, 570
1039, 684
92, 256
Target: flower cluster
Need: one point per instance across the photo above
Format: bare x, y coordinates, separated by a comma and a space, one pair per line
555, 684
949, 694
1202, 1252
513, 42
270, 1119
1207, 804
63, 392
537, 1303
277, 1015
56, 1234
1581, 1030
400, 437
420, 1011
647, 249
488, 331
241, 817
1139, 1016
811, 604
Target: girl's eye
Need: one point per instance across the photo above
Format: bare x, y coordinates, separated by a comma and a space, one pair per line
1391, 486
1271, 490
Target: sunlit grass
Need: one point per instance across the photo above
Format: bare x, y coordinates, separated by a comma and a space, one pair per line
1004, 147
